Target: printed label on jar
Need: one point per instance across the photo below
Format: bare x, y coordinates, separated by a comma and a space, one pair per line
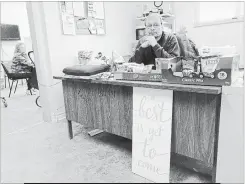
222, 75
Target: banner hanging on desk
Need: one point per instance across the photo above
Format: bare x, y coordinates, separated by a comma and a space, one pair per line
152, 128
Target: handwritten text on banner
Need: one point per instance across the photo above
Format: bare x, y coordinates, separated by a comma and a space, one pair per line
152, 123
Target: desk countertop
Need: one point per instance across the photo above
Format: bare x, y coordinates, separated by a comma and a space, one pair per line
155, 85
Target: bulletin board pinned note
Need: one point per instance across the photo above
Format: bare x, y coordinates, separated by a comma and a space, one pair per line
82, 25
96, 15
83, 18
67, 18
99, 10
79, 9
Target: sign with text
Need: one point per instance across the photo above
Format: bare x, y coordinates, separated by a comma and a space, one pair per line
152, 127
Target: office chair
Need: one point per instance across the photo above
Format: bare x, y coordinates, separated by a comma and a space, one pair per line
14, 76
30, 55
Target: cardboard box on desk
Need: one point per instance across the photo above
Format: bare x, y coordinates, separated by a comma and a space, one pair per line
152, 77
225, 72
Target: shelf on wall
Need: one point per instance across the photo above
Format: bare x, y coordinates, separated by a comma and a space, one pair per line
162, 15
143, 27
139, 27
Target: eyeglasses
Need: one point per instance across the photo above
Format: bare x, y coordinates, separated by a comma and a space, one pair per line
155, 26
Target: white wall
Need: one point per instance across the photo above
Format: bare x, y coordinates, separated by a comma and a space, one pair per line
15, 13
215, 35
64, 48
120, 34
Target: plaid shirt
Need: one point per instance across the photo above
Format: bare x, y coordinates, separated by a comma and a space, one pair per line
20, 63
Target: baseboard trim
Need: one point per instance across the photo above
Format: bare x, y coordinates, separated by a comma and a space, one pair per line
58, 117
191, 163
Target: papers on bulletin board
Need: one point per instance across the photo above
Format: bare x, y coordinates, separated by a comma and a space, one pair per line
68, 24
91, 10
89, 26
69, 7
78, 9
67, 17
82, 25
96, 10
83, 18
99, 10
92, 27
63, 6
100, 27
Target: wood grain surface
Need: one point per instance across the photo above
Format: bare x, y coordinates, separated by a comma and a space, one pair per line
154, 85
194, 121
110, 108
105, 107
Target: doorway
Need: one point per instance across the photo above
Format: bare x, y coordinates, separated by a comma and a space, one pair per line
20, 15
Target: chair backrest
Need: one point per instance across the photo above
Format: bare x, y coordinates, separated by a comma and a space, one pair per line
31, 56
5, 68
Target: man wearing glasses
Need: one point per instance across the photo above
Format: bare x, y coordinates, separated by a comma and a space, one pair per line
156, 43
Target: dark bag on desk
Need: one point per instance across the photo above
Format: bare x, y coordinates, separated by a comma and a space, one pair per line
85, 70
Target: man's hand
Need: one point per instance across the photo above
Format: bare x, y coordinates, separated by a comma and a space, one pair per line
147, 41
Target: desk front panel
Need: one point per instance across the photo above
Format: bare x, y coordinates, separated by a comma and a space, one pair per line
110, 108
101, 106
194, 121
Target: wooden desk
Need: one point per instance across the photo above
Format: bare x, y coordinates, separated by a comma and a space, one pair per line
108, 105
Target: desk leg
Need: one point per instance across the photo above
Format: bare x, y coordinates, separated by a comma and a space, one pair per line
70, 129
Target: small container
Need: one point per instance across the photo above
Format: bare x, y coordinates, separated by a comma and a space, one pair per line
83, 61
84, 57
166, 63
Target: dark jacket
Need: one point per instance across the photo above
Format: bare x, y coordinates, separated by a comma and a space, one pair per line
166, 47
188, 48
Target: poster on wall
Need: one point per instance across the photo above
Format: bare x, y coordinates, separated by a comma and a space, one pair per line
96, 16
82, 25
69, 7
99, 10
85, 18
152, 128
67, 18
100, 27
91, 9
78, 9
68, 24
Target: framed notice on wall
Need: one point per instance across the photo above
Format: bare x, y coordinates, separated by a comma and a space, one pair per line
84, 18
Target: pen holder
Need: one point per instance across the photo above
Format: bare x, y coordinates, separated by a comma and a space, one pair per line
84, 57
83, 61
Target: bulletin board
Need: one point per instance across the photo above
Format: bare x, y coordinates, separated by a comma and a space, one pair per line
83, 18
